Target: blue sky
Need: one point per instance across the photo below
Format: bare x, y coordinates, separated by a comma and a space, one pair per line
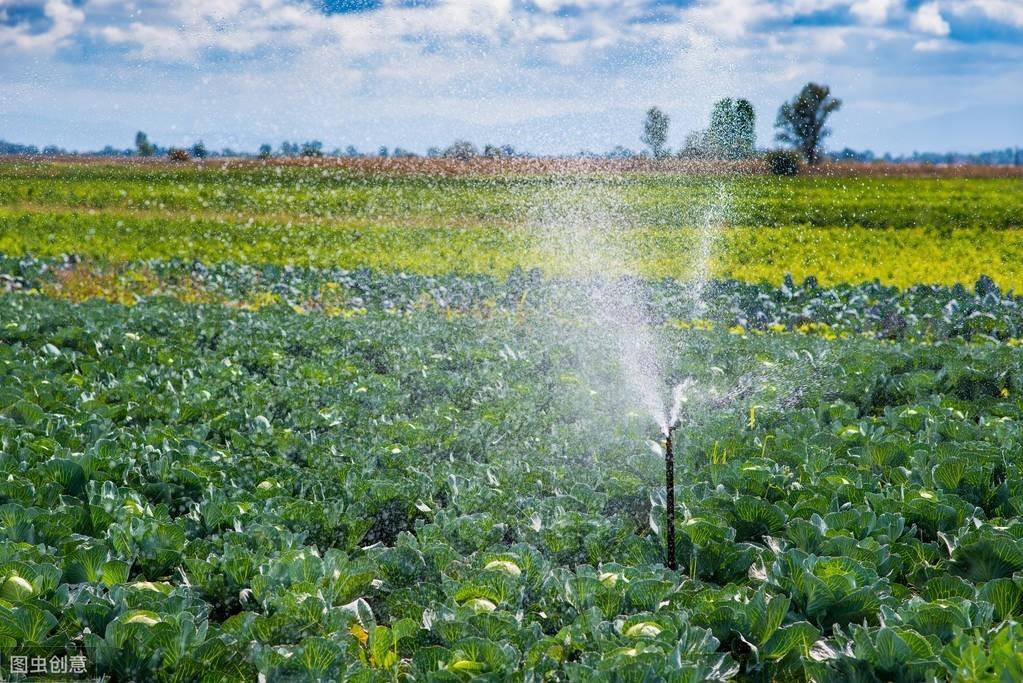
546, 76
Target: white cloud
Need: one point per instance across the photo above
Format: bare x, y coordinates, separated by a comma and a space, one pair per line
1001, 11
831, 40
483, 69
731, 19
65, 19
933, 45
874, 12
928, 19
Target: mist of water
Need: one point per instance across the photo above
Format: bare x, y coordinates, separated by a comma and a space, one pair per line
583, 230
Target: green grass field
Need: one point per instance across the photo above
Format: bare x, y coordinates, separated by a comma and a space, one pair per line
901, 230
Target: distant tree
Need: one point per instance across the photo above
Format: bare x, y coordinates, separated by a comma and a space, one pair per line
434, 152
655, 132
143, 146
619, 152
177, 154
228, 152
801, 122
498, 151
732, 131
696, 146
290, 149
461, 150
312, 148
491, 151
745, 130
402, 153
383, 152
849, 154
350, 151
199, 150
265, 151
14, 148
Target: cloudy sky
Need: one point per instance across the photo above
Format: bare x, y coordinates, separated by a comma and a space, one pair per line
543, 75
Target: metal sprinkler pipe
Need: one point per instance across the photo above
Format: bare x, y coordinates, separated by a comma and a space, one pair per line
669, 483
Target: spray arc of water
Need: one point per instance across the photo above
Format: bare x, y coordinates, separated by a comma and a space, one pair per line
584, 235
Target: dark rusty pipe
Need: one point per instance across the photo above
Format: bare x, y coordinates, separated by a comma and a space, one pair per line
669, 482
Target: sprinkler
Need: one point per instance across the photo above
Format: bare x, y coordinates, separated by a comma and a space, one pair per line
669, 483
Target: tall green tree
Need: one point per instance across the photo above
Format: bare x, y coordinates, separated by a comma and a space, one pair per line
801, 122
732, 131
655, 132
143, 146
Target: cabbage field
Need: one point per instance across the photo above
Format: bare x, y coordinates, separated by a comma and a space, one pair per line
313, 424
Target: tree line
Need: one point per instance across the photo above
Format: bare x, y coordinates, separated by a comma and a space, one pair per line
730, 135
801, 125
460, 149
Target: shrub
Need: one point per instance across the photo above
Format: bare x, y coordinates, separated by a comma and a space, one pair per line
312, 148
461, 150
177, 154
783, 162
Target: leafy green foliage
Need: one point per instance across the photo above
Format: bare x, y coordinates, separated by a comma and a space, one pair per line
901, 231
925, 313
200, 492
